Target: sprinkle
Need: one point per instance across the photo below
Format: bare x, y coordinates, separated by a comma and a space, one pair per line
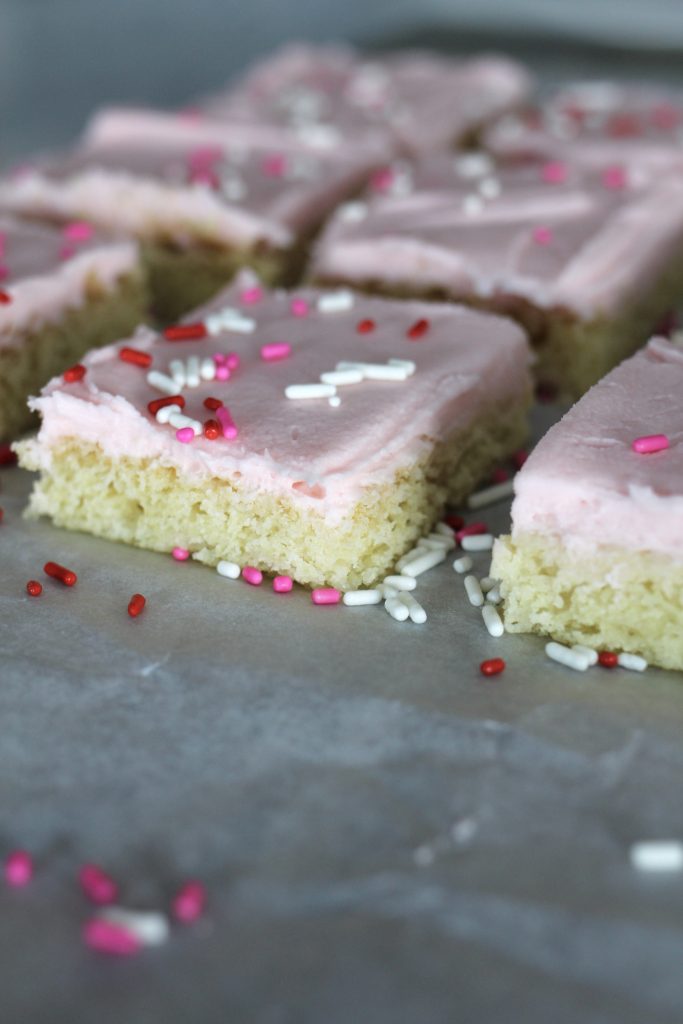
274, 165
477, 542
614, 178
207, 369
355, 598
238, 324
500, 475
164, 414
252, 575
282, 584
335, 302
227, 423
396, 608
275, 350
5, 297
400, 582
161, 382
657, 855
492, 667
471, 530
589, 653
454, 522
222, 373
608, 659
78, 231
423, 563
162, 403
34, 588
135, 356
415, 610
136, 605
542, 235
566, 656
4, 271
353, 212
489, 188
632, 661
297, 391
107, 937
463, 564
340, 378
212, 403
97, 885
473, 591
487, 583
185, 435
492, 620
650, 443
192, 372
520, 457
212, 430
299, 307
447, 541
186, 332
18, 868
232, 361
189, 902
150, 927
418, 330
472, 205
180, 554
326, 595
58, 572
251, 296
74, 373
554, 172
494, 595
177, 370
365, 326
230, 570
376, 371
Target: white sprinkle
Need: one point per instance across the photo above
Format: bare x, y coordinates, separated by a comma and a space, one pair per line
477, 542
388, 591
150, 927
180, 420
376, 371
487, 583
310, 391
164, 414
239, 324
494, 595
424, 856
657, 855
492, 620
588, 652
234, 188
566, 656
396, 608
354, 598
406, 364
353, 212
193, 378
207, 370
423, 563
435, 544
417, 613
419, 549
472, 205
463, 564
341, 377
490, 495
335, 401
447, 542
473, 165
473, 591
335, 302
400, 582
176, 369
632, 661
464, 831
489, 188
213, 324
160, 382
230, 570
444, 529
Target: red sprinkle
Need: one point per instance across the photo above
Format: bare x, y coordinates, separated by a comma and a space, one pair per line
160, 403
136, 605
492, 667
34, 588
418, 329
608, 659
520, 457
212, 430
471, 530
134, 355
186, 332
97, 885
499, 476
546, 392
212, 403
58, 572
7, 456
74, 373
454, 521
365, 326
5, 297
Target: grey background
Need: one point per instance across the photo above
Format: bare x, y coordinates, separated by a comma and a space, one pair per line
310, 764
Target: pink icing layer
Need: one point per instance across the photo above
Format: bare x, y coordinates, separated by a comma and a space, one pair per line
321, 457
47, 271
414, 100
584, 483
585, 243
163, 177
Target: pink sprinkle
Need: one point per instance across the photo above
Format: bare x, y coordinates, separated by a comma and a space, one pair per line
107, 937
471, 530
227, 423
4, 272
97, 885
204, 176
283, 584
67, 252
275, 165
326, 595
222, 373
650, 443
252, 575
554, 172
250, 296
203, 156
542, 235
275, 350
232, 361
78, 231
299, 307
614, 177
180, 554
18, 868
189, 902
185, 435
382, 180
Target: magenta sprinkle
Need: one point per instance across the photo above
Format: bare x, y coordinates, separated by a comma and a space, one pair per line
222, 372
614, 177
326, 595
283, 584
250, 296
542, 235
252, 575
299, 307
471, 530
275, 350
97, 885
554, 172
382, 180
185, 435
189, 902
227, 423
232, 361
180, 554
18, 868
275, 165
107, 937
78, 231
650, 443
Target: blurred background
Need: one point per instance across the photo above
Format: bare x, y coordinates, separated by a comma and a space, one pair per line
61, 58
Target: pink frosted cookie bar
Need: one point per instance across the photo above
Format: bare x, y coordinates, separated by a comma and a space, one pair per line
62, 291
596, 551
588, 260
203, 199
318, 435
414, 101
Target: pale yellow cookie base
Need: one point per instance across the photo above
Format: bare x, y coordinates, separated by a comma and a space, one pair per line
614, 599
150, 505
107, 315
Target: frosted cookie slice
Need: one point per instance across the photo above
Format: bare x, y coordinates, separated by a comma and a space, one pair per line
202, 199
587, 260
596, 551
314, 435
62, 291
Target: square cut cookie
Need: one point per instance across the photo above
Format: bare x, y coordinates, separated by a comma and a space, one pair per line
412, 100
203, 199
62, 292
596, 551
588, 260
318, 435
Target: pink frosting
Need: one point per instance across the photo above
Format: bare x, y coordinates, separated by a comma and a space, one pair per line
584, 243
414, 100
584, 483
47, 271
320, 456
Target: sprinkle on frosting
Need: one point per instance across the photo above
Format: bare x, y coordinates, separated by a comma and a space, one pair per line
650, 443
